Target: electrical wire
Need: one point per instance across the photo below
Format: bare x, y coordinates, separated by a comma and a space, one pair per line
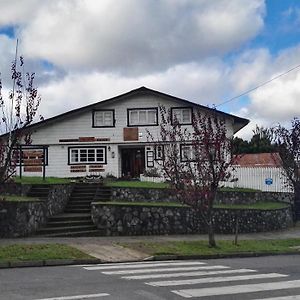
258, 86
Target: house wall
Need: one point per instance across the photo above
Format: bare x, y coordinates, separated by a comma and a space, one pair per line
80, 125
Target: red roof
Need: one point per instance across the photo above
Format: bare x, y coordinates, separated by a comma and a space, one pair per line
257, 160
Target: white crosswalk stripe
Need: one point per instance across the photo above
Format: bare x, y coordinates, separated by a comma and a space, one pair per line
215, 279
142, 265
238, 289
188, 273
143, 271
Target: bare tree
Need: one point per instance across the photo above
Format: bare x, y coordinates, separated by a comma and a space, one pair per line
195, 160
288, 146
18, 111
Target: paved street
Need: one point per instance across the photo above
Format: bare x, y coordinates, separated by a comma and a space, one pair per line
275, 278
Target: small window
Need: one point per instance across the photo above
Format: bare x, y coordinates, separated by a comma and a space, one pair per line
159, 152
87, 155
187, 153
103, 118
182, 115
142, 117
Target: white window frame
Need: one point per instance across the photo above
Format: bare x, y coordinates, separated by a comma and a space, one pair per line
178, 115
140, 119
159, 152
91, 156
104, 113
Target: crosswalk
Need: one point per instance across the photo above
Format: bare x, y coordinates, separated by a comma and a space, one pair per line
196, 279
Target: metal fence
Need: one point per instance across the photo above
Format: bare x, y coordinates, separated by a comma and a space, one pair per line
269, 179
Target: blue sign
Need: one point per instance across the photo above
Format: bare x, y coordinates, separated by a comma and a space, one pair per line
268, 181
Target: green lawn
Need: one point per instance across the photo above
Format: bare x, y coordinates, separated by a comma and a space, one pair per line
17, 198
137, 184
39, 252
258, 205
223, 247
172, 204
39, 180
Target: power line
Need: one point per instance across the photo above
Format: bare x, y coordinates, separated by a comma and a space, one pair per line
258, 86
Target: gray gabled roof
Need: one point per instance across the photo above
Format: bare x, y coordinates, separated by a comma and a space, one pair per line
239, 123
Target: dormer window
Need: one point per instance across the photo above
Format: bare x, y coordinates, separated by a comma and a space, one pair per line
104, 118
183, 115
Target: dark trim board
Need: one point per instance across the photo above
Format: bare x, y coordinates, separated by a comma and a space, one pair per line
93, 120
142, 108
87, 163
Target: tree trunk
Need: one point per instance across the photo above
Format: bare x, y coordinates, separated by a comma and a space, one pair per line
211, 233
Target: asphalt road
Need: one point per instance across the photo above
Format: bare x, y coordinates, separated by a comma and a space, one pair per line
275, 277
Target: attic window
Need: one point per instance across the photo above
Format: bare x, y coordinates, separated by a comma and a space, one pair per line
142, 117
183, 115
104, 118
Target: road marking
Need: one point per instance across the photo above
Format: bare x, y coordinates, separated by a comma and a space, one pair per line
215, 279
76, 297
143, 265
238, 289
295, 297
190, 274
123, 272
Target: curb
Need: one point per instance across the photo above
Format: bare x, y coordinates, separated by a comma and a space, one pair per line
48, 263
216, 256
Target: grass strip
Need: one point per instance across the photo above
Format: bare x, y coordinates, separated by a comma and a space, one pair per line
137, 184
223, 247
17, 198
146, 204
39, 180
34, 252
257, 206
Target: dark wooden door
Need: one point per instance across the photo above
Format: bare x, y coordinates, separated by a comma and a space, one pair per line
133, 162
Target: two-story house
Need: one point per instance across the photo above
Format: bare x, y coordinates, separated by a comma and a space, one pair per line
108, 137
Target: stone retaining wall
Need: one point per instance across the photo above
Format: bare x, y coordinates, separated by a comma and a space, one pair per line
22, 218
118, 219
225, 197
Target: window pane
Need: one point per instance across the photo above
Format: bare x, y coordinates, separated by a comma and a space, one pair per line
142, 117
100, 155
152, 116
74, 155
177, 115
83, 155
133, 117
91, 155
108, 118
186, 116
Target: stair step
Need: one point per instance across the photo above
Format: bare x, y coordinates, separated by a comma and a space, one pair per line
78, 210
69, 223
50, 230
94, 232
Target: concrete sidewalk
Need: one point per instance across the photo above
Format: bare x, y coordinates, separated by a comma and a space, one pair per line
107, 249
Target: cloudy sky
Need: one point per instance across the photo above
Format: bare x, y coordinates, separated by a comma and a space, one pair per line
84, 51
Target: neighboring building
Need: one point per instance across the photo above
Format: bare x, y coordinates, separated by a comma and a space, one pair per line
108, 137
261, 171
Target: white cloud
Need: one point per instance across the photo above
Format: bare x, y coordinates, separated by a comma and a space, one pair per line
136, 37
199, 83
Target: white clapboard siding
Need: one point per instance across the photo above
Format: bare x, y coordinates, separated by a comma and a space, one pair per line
80, 125
255, 178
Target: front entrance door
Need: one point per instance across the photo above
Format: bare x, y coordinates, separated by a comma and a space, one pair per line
133, 162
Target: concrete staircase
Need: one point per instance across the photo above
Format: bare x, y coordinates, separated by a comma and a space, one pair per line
40, 191
76, 218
